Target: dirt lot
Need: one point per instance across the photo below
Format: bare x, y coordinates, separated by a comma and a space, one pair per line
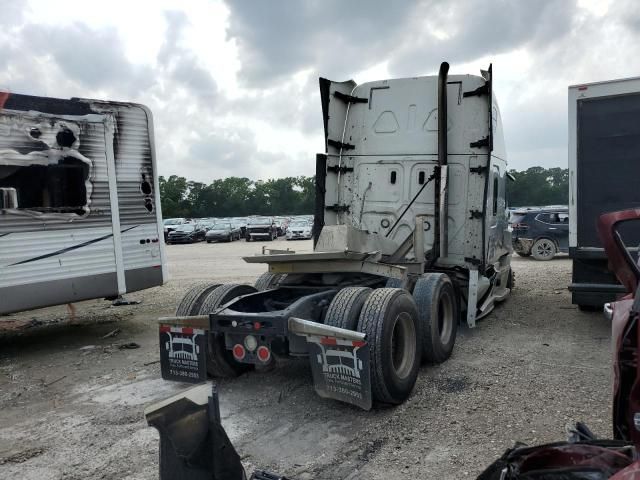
71, 401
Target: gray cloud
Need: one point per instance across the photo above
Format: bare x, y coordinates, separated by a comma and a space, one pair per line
182, 64
561, 44
12, 12
94, 58
232, 152
477, 28
337, 38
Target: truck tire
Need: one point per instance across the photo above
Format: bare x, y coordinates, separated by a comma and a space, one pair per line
544, 249
192, 300
511, 280
393, 283
389, 318
268, 280
439, 314
220, 361
223, 294
344, 310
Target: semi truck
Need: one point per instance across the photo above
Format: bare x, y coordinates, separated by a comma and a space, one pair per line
410, 239
604, 163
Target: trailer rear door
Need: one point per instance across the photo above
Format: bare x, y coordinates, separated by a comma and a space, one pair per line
608, 163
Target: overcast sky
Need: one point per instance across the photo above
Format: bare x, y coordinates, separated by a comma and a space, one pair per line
233, 85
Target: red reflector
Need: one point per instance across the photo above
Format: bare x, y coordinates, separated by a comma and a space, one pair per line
264, 354
358, 343
187, 331
582, 88
165, 328
238, 351
328, 341
257, 325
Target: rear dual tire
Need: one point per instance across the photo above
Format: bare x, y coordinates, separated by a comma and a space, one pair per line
389, 318
439, 314
344, 310
268, 280
220, 361
203, 300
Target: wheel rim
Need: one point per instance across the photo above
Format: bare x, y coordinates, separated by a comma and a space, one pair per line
403, 349
445, 317
544, 249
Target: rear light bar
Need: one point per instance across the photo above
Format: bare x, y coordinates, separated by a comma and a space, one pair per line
522, 226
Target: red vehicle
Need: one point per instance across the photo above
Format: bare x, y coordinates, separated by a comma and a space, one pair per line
585, 457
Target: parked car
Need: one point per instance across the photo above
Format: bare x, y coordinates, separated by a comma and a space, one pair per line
300, 230
261, 228
240, 222
187, 233
170, 224
208, 224
225, 232
282, 224
540, 233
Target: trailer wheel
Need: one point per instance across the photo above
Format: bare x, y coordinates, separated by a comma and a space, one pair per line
192, 300
389, 318
220, 361
543, 249
268, 280
439, 314
345, 308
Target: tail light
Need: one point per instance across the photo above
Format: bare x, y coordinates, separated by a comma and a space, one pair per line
264, 355
521, 226
239, 352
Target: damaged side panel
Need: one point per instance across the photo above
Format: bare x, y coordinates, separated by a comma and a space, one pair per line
77, 220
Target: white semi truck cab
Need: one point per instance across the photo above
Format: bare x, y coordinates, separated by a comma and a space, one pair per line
411, 239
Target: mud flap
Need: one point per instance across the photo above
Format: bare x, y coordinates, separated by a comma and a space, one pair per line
193, 443
339, 361
183, 354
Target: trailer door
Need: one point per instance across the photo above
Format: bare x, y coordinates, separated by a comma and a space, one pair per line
608, 163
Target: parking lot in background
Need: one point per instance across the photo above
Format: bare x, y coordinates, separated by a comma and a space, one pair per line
71, 399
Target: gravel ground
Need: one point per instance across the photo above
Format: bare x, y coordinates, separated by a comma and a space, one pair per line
71, 400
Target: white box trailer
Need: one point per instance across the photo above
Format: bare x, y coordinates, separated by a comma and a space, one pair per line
79, 206
604, 167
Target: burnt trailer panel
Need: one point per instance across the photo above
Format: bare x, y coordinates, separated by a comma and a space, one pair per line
604, 163
79, 201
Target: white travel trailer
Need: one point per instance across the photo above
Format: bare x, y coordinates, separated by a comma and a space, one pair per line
79, 202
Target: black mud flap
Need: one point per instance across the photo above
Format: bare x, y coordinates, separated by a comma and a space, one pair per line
183, 354
193, 442
341, 369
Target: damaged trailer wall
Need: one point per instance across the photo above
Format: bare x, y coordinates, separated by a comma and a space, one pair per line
80, 217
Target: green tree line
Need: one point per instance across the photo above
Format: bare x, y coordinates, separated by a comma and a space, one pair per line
236, 196
538, 186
